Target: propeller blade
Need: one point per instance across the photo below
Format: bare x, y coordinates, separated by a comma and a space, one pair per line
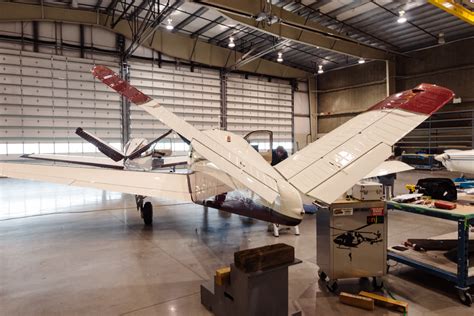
102, 146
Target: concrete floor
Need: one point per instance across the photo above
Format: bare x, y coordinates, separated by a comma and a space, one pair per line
74, 251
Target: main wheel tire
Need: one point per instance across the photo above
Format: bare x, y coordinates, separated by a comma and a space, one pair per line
147, 213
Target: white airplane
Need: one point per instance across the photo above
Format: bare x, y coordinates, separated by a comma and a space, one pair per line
458, 160
227, 173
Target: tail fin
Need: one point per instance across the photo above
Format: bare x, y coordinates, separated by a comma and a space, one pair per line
103, 147
252, 174
331, 165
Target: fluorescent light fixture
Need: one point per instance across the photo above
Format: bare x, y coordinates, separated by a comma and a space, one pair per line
401, 17
280, 57
448, 5
231, 42
361, 60
320, 69
169, 26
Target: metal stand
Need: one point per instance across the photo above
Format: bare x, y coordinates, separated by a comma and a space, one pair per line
463, 278
256, 293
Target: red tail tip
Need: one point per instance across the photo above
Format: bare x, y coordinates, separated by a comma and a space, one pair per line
425, 99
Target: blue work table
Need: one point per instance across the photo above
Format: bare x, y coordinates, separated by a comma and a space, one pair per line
458, 273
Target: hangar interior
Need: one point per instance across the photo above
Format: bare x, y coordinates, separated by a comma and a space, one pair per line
299, 69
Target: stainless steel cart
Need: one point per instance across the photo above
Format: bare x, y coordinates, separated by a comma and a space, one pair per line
352, 241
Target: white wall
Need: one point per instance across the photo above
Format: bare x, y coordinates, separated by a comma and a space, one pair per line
278, 120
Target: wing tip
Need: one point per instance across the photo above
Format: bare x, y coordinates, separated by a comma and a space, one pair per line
113, 80
424, 99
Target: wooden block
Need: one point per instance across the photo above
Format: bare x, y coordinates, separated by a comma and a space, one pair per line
265, 257
357, 300
386, 302
222, 276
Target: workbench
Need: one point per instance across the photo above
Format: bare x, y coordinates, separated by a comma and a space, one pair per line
433, 262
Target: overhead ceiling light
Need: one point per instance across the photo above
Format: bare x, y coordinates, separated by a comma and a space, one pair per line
320, 70
401, 17
231, 42
361, 60
448, 5
280, 57
441, 39
169, 26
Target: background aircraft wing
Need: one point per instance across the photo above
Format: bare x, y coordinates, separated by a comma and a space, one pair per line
331, 165
249, 173
79, 160
162, 184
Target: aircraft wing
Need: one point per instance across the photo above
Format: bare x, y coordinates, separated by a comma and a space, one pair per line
79, 160
332, 164
247, 172
388, 167
163, 184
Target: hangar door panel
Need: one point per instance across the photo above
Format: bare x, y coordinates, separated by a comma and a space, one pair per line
194, 96
46, 97
254, 104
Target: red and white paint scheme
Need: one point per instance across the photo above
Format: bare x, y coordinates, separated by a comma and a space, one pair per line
225, 172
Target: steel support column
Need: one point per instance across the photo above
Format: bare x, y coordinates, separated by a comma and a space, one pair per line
313, 107
390, 73
223, 82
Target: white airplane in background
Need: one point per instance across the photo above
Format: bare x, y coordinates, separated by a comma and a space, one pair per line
458, 160
227, 173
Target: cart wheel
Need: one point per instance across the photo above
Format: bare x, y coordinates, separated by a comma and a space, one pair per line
332, 287
465, 297
322, 276
377, 283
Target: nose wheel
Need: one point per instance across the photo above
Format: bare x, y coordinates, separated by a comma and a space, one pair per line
146, 210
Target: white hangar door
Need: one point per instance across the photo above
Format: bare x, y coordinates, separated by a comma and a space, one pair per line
254, 104
194, 96
44, 98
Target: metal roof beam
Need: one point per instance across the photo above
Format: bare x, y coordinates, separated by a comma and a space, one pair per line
208, 26
139, 9
190, 18
295, 28
171, 44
